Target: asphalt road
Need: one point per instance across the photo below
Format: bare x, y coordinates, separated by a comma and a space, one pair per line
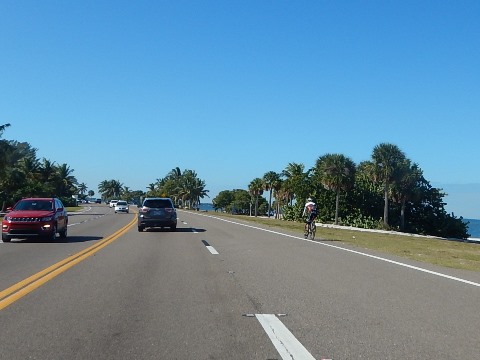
222, 289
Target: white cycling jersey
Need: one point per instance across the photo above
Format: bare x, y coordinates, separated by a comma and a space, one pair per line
309, 206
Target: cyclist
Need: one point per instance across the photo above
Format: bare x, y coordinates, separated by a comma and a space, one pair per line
310, 209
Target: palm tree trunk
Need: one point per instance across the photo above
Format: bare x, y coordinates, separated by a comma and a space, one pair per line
337, 205
270, 203
402, 216
385, 209
256, 206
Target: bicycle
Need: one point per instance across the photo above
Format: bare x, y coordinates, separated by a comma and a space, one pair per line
310, 230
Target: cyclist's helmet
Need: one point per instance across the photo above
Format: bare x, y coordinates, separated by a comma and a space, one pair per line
309, 199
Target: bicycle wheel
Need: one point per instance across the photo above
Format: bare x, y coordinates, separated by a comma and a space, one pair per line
313, 230
306, 231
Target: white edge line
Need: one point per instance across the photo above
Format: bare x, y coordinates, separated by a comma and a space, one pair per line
284, 341
353, 251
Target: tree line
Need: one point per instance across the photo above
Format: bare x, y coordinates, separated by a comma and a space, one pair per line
185, 188
388, 191
23, 174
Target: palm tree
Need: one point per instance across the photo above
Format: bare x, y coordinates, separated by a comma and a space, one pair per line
406, 187
47, 170
110, 188
126, 193
104, 188
4, 148
282, 197
32, 185
198, 191
15, 180
387, 163
171, 184
337, 173
294, 175
168, 186
293, 169
256, 189
175, 174
65, 181
276, 187
269, 180
185, 186
191, 189
150, 189
3, 127
82, 188
12, 183
117, 187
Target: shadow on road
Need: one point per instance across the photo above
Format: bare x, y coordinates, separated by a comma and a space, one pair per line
180, 230
69, 239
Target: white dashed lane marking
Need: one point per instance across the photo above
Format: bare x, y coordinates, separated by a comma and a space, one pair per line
72, 217
351, 251
284, 341
210, 248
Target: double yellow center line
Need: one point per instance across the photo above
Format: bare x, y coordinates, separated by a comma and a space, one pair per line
24, 287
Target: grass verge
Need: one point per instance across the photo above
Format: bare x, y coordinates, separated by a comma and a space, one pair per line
451, 254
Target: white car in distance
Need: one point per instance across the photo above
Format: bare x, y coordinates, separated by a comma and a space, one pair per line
121, 206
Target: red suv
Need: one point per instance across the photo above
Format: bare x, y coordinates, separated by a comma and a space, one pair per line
35, 217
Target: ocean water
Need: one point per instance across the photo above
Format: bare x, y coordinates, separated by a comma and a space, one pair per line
206, 207
473, 227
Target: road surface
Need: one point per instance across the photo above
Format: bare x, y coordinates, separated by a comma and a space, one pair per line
225, 289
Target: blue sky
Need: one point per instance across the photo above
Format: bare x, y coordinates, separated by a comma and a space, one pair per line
129, 90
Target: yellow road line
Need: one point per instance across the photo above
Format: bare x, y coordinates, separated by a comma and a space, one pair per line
24, 287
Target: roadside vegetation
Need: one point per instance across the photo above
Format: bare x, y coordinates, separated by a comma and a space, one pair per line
184, 188
387, 192
23, 174
436, 251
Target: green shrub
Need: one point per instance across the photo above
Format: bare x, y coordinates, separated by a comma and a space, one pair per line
357, 219
293, 213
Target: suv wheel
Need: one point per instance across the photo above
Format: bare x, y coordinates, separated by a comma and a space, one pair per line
140, 228
63, 233
6, 238
53, 234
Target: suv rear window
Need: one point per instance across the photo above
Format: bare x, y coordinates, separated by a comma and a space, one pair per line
158, 203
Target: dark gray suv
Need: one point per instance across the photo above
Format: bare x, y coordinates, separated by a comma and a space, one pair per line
157, 212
